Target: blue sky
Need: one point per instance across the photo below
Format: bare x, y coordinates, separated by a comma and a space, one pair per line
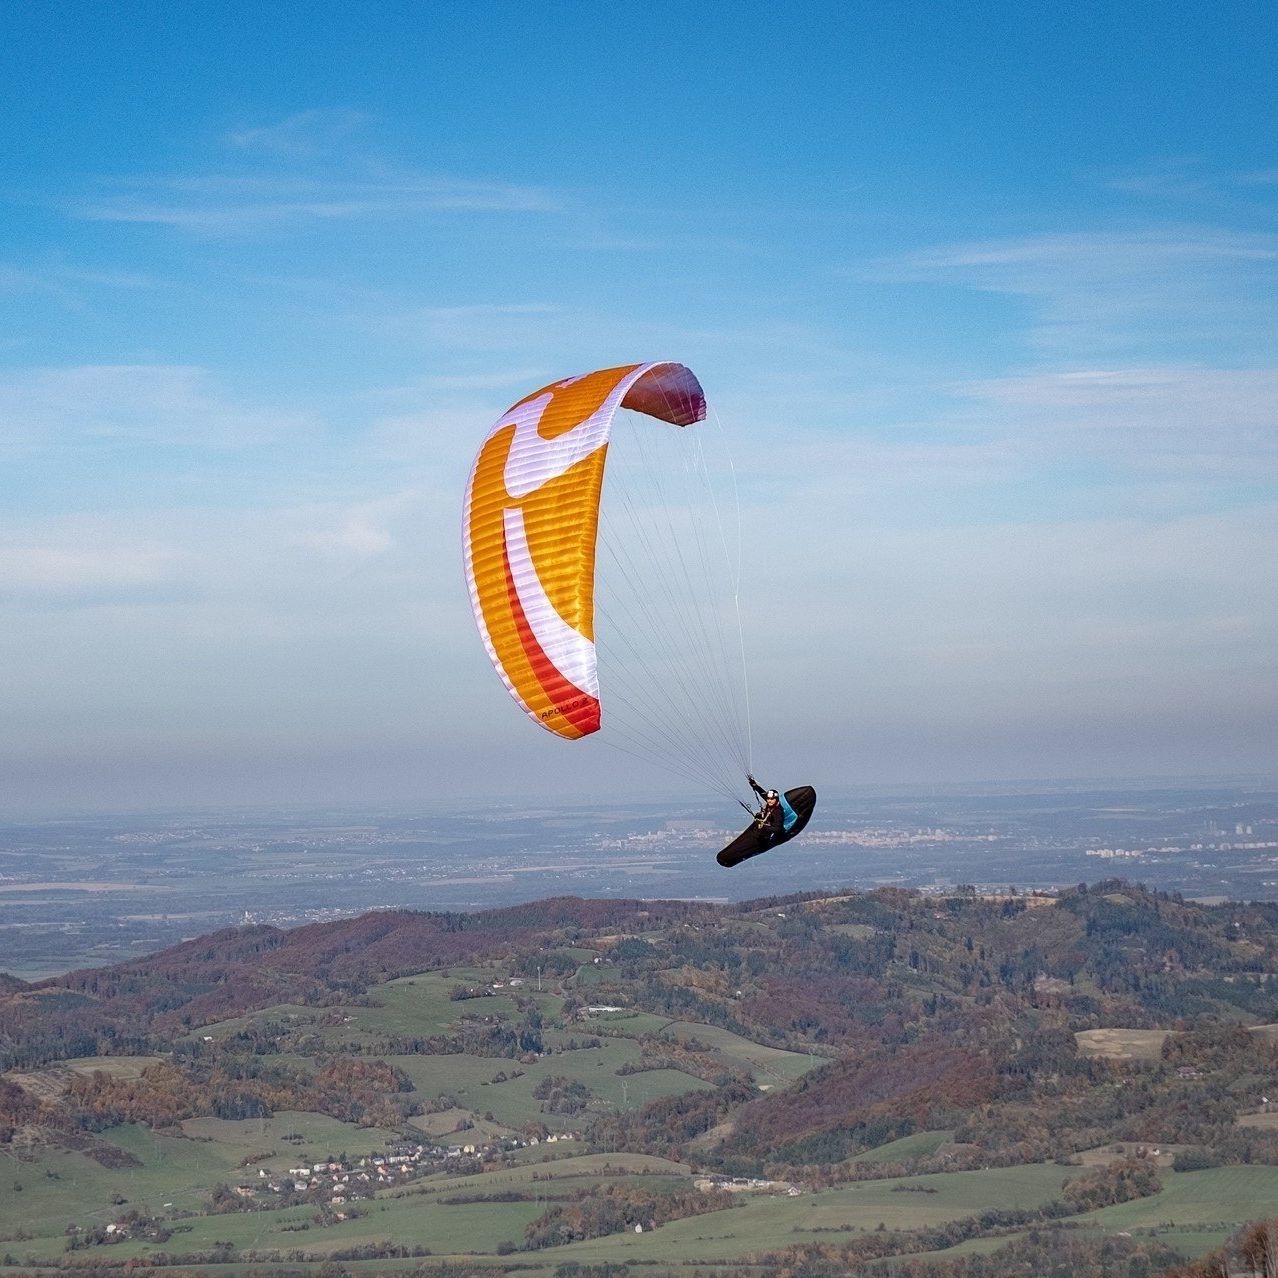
986, 299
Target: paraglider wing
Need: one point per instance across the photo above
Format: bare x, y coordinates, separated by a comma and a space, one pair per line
531, 521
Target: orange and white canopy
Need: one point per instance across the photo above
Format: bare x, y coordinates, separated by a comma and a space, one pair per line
530, 526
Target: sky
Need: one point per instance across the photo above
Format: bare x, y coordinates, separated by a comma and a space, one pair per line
984, 296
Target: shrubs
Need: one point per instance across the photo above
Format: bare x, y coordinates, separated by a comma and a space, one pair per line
1195, 1159
1255, 1245
1119, 1182
616, 1208
561, 1095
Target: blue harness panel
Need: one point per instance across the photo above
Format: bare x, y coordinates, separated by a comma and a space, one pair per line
788, 815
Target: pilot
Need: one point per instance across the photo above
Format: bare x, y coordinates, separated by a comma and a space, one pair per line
770, 819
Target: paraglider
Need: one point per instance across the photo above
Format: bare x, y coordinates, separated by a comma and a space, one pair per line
531, 534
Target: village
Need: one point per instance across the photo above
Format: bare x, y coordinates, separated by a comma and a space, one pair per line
333, 1184
336, 1180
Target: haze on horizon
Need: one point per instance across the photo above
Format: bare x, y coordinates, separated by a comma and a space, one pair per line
986, 301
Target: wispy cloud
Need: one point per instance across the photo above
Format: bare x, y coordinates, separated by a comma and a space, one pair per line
70, 284
1027, 261
82, 570
222, 203
1172, 178
1168, 290
1209, 423
353, 534
1192, 179
302, 169
305, 133
306, 168
498, 378
1151, 349
14, 279
1004, 602
509, 326
115, 406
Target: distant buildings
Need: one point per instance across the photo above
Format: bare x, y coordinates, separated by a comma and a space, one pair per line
338, 1180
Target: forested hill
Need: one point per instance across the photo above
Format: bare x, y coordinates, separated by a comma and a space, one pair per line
839, 974
842, 973
236, 970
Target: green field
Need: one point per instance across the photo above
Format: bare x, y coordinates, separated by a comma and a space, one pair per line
321, 1137
919, 1145
176, 1174
629, 1024
421, 1004
294, 1015
1220, 1195
411, 1006
858, 931
768, 1064
591, 974
62, 1186
462, 1124
470, 1227
468, 1080
1183, 1213
556, 1172
766, 1221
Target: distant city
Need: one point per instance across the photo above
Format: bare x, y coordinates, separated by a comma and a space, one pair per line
96, 890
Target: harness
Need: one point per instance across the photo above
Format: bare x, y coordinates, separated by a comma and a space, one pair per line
788, 815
